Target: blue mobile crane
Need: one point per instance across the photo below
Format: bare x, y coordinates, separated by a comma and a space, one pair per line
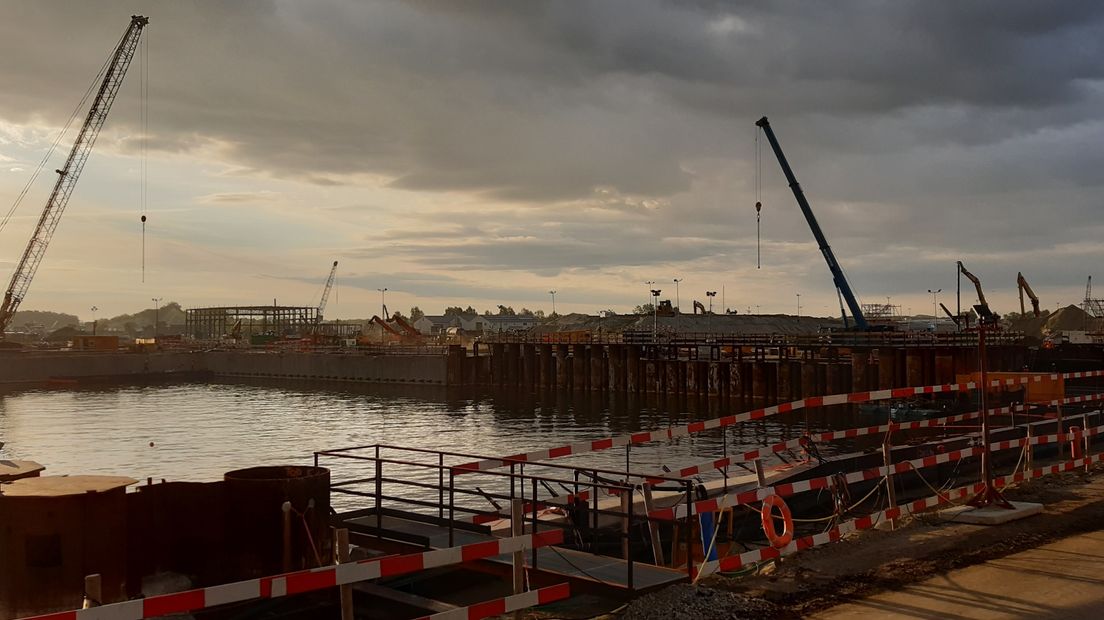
843, 289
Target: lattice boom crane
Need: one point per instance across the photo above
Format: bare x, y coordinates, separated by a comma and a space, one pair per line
326, 293
70, 172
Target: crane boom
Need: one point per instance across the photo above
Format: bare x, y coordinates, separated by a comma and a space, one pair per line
838, 278
70, 172
326, 293
1021, 282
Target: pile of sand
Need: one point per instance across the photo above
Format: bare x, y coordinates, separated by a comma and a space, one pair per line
1070, 318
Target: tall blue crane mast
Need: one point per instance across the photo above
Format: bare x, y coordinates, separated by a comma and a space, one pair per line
70, 172
840, 280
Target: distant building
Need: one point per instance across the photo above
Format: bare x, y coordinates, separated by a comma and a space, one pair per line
434, 325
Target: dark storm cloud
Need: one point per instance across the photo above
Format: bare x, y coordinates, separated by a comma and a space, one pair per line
542, 100
950, 126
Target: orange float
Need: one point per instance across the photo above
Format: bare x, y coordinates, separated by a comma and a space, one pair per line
770, 503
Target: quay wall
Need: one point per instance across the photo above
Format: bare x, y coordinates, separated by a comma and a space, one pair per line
22, 368
40, 367
773, 375
398, 368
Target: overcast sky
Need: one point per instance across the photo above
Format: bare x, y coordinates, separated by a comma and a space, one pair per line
488, 152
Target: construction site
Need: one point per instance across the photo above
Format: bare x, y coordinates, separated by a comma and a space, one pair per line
808, 436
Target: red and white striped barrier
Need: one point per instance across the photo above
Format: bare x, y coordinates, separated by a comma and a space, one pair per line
674, 432
825, 436
1088, 374
306, 581
1050, 470
851, 433
792, 488
684, 430
735, 562
505, 605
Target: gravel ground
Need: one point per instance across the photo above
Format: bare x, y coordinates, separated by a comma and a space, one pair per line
875, 561
690, 602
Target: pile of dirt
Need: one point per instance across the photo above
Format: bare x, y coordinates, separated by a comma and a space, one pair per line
1070, 318
690, 323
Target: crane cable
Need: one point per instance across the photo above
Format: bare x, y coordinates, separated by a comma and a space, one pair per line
143, 121
758, 194
57, 140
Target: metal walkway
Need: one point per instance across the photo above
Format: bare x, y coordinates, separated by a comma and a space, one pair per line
569, 563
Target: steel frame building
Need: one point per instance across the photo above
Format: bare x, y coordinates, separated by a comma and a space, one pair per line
216, 322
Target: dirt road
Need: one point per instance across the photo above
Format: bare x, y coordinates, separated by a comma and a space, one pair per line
1060, 580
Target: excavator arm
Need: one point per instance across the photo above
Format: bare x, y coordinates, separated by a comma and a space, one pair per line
977, 283
1021, 282
948, 312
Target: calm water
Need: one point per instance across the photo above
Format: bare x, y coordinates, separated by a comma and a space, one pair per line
197, 432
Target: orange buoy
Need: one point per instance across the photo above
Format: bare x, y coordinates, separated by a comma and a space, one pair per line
770, 503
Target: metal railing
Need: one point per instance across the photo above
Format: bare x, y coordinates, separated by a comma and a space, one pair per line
437, 484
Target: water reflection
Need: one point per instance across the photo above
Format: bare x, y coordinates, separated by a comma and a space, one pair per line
198, 431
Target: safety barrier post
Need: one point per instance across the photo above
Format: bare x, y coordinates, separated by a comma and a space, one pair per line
689, 529
441, 485
93, 591
286, 509
452, 507
341, 549
594, 526
761, 478
1061, 429
724, 455
626, 529
1029, 461
379, 495
517, 528
887, 460
1085, 440
533, 500
653, 527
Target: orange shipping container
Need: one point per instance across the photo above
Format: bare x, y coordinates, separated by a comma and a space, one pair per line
1040, 392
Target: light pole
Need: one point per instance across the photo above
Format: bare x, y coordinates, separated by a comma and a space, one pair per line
553, 294
93, 309
934, 295
655, 313
649, 283
383, 301
709, 321
156, 314
678, 304
799, 307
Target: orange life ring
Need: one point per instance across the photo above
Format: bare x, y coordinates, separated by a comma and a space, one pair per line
777, 541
